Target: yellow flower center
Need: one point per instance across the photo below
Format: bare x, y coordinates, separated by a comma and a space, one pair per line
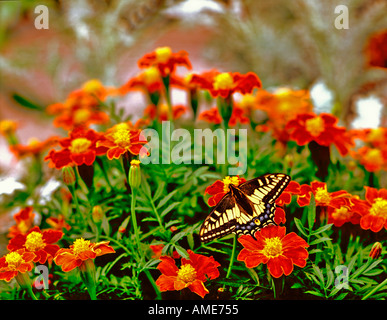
122, 137
33, 142
283, 92
92, 86
163, 54
379, 208
79, 145
7, 126
230, 180
374, 156
223, 81
341, 213
322, 196
23, 226
14, 260
81, 115
273, 247
247, 102
151, 75
376, 135
34, 241
187, 78
81, 245
315, 126
187, 273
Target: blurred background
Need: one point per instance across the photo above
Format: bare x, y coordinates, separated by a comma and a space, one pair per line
287, 43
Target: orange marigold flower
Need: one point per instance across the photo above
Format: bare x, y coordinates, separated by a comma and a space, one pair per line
373, 159
281, 106
226, 83
121, 138
14, 262
376, 50
161, 111
79, 252
81, 107
38, 242
272, 246
320, 128
24, 221
158, 248
165, 60
373, 209
192, 273
79, 148
220, 187
322, 197
148, 80
58, 223
345, 213
34, 147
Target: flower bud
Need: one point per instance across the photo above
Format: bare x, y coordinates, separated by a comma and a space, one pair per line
97, 214
68, 175
134, 174
376, 250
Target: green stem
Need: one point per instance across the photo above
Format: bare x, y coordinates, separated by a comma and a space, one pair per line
379, 286
153, 283
134, 220
234, 244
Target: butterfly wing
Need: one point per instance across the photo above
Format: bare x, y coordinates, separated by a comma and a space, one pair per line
250, 207
221, 221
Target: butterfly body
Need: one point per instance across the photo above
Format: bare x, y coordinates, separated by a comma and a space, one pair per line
245, 208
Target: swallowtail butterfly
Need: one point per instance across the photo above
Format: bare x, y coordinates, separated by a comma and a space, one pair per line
245, 208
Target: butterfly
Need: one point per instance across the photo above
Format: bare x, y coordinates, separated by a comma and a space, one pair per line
245, 208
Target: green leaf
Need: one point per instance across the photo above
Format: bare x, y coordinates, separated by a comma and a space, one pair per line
319, 240
169, 208
25, 102
311, 213
322, 229
300, 227
166, 199
180, 250
315, 293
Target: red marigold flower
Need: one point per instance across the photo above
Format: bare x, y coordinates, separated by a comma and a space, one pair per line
165, 60
14, 262
80, 148
373, 209
79, 252
225, 84
376, 50
220, 187
320, 128
121, 138
272, 246
212, 116
38, 242
192, 273
24, 221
